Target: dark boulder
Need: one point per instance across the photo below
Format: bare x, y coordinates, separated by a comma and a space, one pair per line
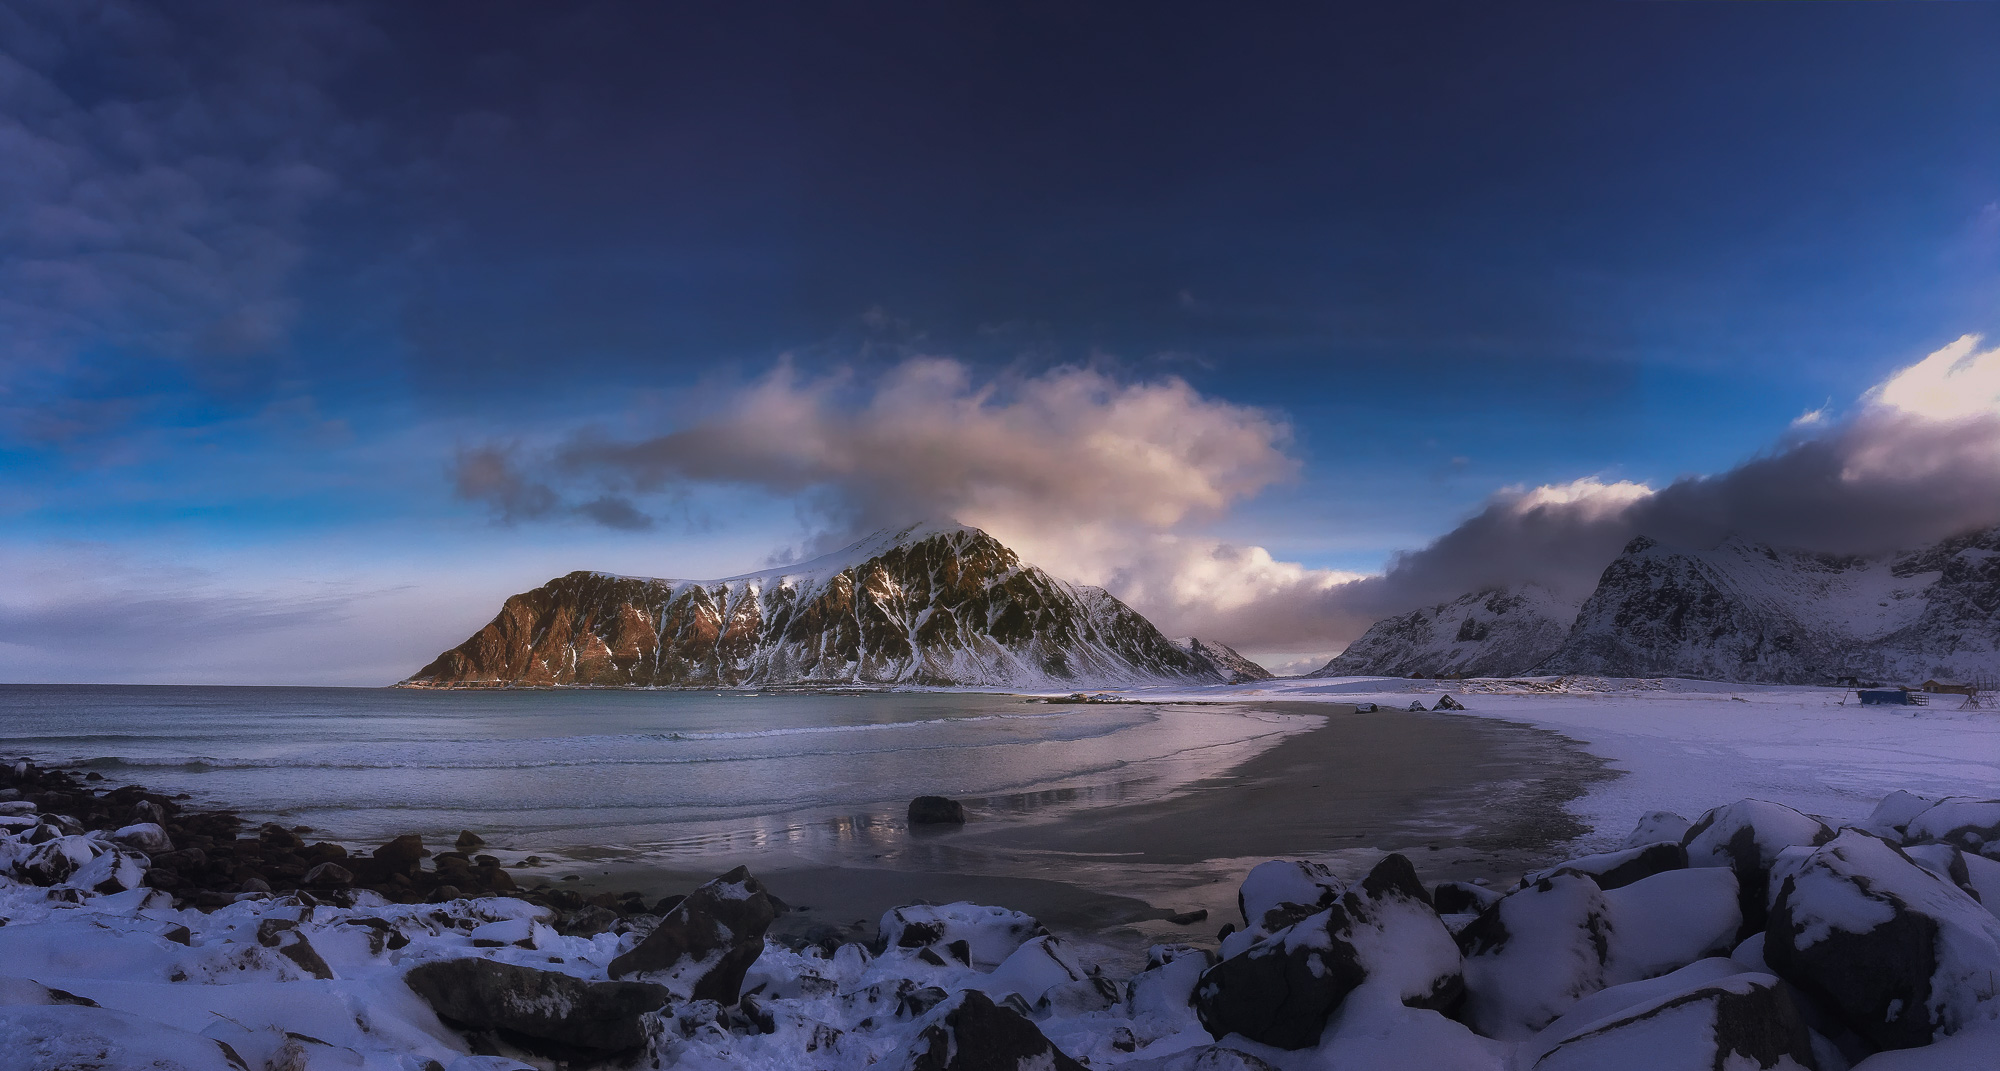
1383, 933
974, 1034
531, 1006
708, 941
936, 811
468, 840
329, 875
1902, 955
402, 857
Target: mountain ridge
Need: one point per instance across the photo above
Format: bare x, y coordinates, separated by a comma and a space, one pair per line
937, 603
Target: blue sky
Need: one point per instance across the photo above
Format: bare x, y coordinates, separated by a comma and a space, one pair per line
271, 273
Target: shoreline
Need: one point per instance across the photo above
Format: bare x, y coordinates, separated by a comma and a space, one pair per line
1463, 797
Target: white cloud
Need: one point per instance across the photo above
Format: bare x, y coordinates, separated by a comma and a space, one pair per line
1957, 382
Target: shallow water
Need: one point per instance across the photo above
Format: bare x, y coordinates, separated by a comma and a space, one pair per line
564, 770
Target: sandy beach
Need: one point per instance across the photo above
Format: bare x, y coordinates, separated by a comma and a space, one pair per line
1462, 797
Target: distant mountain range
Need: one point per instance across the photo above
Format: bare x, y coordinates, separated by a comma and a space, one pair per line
931, 604
1740, 611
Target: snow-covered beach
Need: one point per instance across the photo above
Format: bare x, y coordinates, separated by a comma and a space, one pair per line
102, 971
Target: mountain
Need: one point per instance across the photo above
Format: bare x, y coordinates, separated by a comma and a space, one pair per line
1498, 632
1233, 668
1747, 612
931, 604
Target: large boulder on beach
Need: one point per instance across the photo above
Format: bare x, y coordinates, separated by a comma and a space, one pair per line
1276, 894
541, 1006
1972, 825
971, 1033
1745, 1020
1531, 956
148, 837
1902, 955
704, 946
936, 811
1656, 826
1383, 934
1747, 836
978, 936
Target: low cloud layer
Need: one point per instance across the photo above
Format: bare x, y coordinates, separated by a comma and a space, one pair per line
1101, 480
1916, 460
1070, 446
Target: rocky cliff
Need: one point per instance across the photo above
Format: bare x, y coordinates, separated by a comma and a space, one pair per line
1492, 633
933, 604
1231, 667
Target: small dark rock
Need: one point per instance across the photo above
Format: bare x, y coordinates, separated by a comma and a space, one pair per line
330, 875
936, 810
1189, 918
467, 839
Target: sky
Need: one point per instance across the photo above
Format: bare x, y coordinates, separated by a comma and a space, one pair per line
324, 327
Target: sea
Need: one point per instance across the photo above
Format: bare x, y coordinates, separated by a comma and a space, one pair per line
662, 773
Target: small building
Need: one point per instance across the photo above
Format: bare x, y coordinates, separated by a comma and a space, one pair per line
1950, 687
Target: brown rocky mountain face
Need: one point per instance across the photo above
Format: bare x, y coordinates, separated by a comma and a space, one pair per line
932, 604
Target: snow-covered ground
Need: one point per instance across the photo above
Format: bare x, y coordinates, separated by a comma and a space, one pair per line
1684, 745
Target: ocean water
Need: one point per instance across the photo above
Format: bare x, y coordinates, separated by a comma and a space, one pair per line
657, 772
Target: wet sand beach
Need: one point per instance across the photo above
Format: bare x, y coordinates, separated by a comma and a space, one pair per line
1462, 797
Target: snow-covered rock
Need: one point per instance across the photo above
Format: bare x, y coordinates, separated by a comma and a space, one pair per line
1657, 826
1903, 956
1747, 836
1745, 1020
70, 1037
1383, 934
705, 945
1970, 824
989, 934
1611, 870
1278, 893
971, 1033
934, 603
1535, 953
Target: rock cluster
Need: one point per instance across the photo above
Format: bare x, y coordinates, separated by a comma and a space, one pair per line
63, 831
1753, 936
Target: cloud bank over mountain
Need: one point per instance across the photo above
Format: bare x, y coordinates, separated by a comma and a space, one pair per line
1109, 481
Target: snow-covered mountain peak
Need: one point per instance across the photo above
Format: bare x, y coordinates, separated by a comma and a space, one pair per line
935, 603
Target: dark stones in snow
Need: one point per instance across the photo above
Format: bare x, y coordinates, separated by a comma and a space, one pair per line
936, 810
1281, 990
708, 941
971, 1033
556, 1014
